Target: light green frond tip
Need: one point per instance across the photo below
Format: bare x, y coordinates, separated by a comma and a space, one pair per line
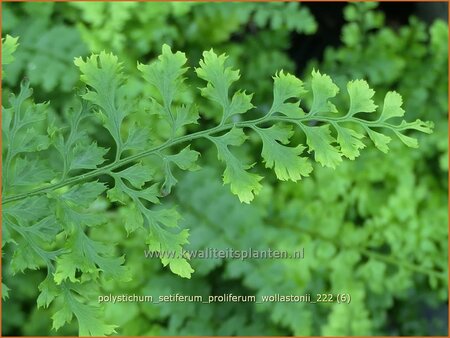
103, 75
219, 78
168, 244
100, 71
392, 108
9, 46
166, 74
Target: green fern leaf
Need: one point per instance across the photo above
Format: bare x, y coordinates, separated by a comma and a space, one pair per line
9, 46
243, 184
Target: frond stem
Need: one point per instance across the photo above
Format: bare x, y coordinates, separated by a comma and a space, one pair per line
186, 138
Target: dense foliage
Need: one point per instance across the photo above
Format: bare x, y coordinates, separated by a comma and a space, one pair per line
110, 169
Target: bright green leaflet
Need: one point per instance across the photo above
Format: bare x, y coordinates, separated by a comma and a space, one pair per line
57, 201
9, 45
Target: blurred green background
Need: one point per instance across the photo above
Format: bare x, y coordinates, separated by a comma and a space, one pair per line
375, 227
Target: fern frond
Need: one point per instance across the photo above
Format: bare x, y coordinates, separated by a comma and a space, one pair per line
57, 200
